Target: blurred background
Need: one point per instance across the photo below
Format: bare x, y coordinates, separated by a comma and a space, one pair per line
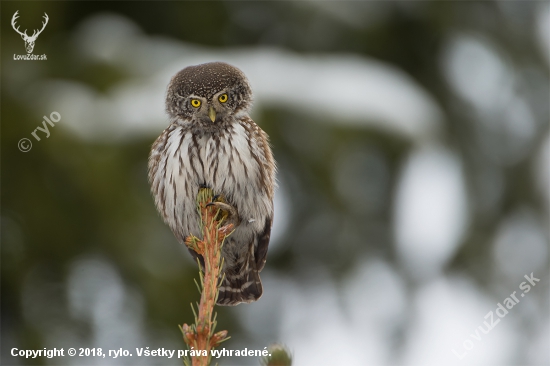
413, 149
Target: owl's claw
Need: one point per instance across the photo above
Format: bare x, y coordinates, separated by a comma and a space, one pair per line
229, 214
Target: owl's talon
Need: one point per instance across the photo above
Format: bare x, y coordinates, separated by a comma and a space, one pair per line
229, 214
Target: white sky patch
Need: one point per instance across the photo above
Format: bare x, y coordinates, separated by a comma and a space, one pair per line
314, 324
543, 29
97, 294
542, 170
475, 70
375, 299
520, 245
482, 75
537, 352
447, 311
430, 210
282, 217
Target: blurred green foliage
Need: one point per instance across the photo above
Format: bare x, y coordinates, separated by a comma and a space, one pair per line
70, 199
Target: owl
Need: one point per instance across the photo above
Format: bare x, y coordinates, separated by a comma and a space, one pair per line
212, 142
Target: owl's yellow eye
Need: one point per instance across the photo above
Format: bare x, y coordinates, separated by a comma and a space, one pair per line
195, 103
222, 98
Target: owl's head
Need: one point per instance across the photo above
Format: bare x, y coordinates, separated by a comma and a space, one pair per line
208, 94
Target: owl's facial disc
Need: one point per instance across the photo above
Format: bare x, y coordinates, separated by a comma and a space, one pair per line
217, 108
210, 112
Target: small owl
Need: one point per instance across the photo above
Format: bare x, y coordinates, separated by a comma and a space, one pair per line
212, 142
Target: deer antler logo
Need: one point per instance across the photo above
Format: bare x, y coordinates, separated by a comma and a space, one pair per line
29, 41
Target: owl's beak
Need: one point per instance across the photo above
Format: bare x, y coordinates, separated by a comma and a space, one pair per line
212, 114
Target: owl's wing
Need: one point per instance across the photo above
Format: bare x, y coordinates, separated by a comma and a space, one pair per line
263, 242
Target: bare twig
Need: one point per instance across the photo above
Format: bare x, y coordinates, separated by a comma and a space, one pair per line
200, 337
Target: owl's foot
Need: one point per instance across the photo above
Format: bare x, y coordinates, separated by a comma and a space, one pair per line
228, 213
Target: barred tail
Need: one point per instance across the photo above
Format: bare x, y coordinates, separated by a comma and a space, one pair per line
241, 283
